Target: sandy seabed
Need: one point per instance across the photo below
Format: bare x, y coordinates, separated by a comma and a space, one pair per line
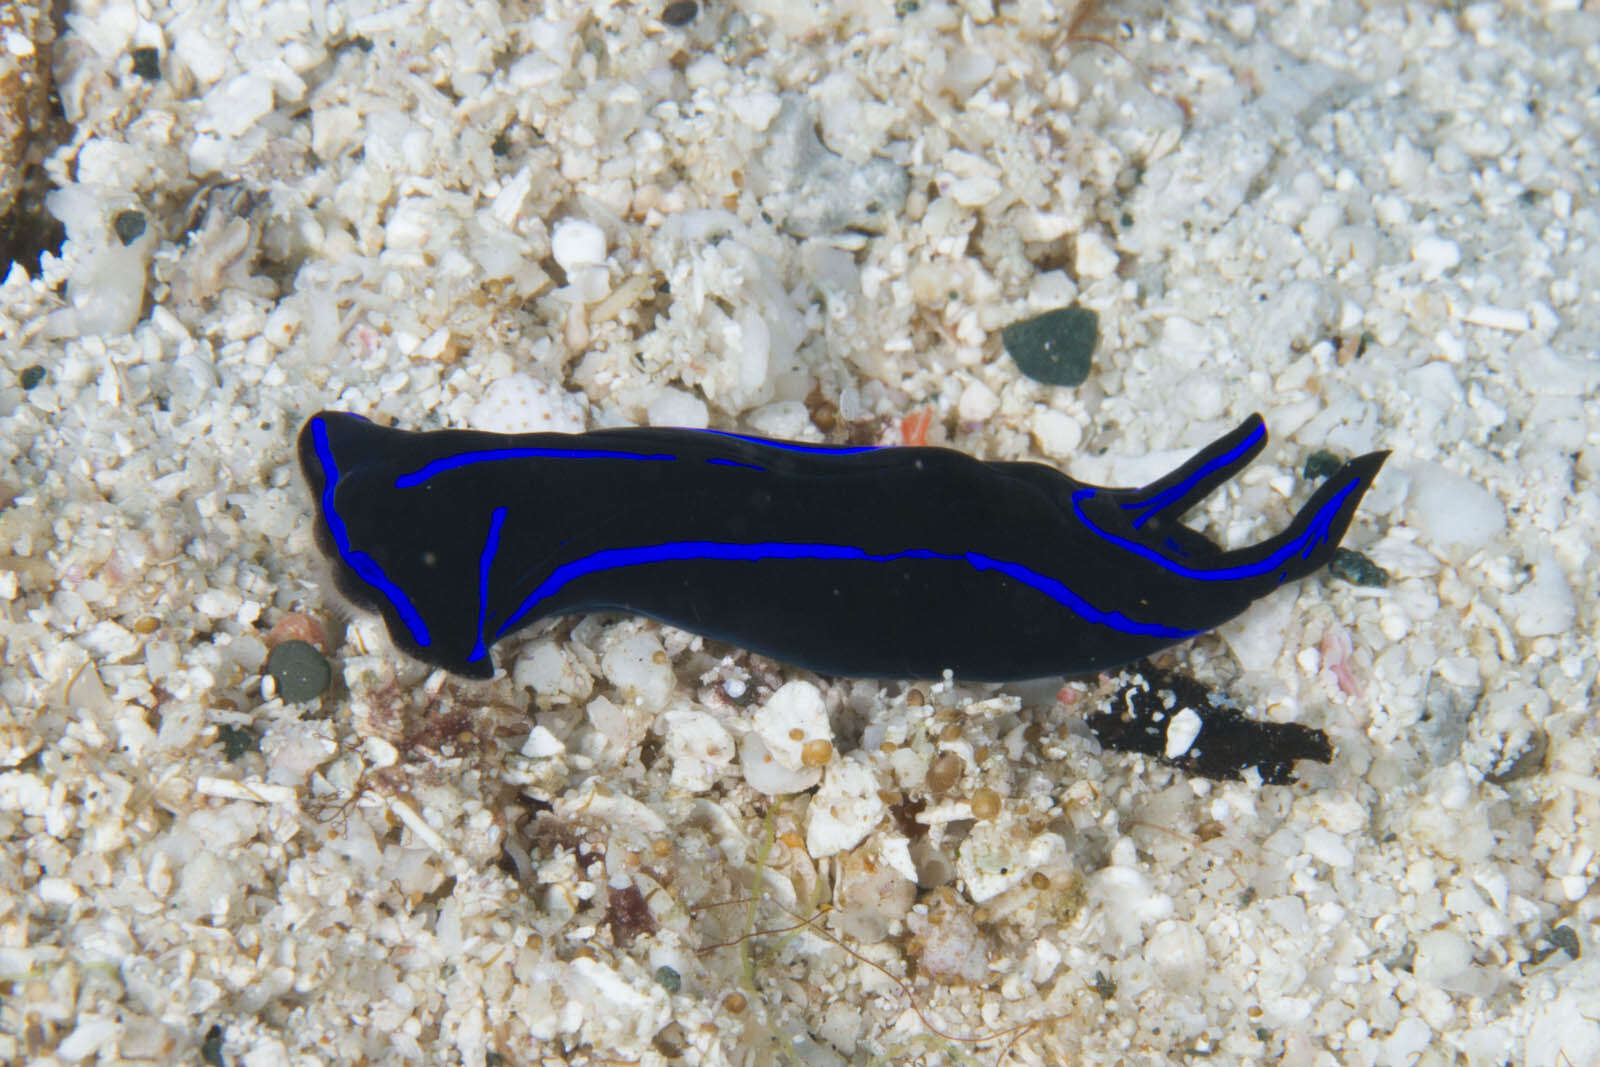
1374, 223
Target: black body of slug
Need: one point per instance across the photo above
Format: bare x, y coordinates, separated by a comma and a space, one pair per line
869, 562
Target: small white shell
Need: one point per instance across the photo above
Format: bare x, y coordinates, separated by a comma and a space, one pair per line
638, 666
627, 819
1181, 733
699, 748
793, 716
542, 744
765, 774
845, 809
577, 243
997, 856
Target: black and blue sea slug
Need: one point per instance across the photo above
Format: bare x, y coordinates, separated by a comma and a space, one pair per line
870, 562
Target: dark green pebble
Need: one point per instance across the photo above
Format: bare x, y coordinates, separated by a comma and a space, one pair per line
31, 376
301, 672
211, 1047
668, 979
1563, 938
147, 63
1528, 763
1353, 567
236, 741
129, 226
680, 12
1321, 463
1056, 347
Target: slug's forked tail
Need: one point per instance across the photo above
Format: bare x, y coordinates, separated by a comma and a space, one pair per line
1166, 499
1313, 536
1152, 514
1146, 521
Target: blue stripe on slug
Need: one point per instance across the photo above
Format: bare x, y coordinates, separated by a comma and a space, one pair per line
794, 446
1171, 495
642, 555
499, 455
491, 548
1314, 535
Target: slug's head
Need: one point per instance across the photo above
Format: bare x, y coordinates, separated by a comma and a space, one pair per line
389, 547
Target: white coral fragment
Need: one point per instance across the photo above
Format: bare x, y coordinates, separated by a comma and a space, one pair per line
998, 855
844, 810
699, 748
794, 716
766, 774
638, 666
628, 821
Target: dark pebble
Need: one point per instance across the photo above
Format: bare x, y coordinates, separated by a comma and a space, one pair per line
236, 741
1527, 763
1320, 464
1135, 719
1357, 569
301, 672
1563, 938
211, 1047
668, 979
1054, 348
31, 376
129, 226
147, 63
680, 12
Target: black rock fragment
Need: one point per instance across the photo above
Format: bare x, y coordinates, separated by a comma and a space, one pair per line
1137, 716
1056, 347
